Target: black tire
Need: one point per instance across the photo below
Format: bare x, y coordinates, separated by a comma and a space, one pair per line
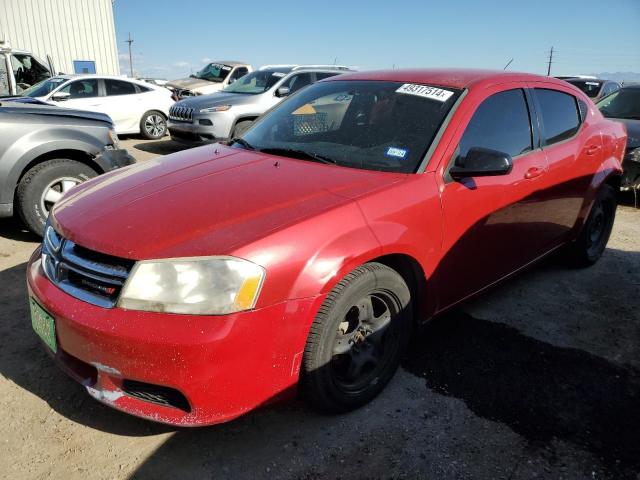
153, 125
590, 245
54, 175
335, 376
241, 127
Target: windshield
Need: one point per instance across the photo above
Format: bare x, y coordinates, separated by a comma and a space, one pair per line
256, 82
372, 125
43, 88
590, 87
214, 72
624, 103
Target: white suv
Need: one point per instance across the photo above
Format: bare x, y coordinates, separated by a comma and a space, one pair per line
227, 114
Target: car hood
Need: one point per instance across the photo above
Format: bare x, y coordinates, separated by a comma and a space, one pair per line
199, 202
45, 109
191, 83
633, 131
218, 98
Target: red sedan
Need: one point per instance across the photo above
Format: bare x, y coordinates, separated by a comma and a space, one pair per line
300, 257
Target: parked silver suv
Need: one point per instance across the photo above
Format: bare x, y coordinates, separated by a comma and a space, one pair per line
227, 114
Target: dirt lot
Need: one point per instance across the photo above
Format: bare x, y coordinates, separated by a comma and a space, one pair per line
540, 378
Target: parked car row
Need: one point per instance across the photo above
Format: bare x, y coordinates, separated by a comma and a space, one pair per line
301, 255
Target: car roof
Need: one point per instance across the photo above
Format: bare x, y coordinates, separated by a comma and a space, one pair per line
231, 63
448, 77
103, 77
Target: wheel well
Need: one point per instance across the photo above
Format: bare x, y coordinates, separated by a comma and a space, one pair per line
154, 111
614, 181
243, 119
411, 271
77, 155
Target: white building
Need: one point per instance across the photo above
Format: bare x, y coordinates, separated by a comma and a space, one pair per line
79, 35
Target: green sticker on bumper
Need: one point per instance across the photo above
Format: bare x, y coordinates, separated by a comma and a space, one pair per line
43, 324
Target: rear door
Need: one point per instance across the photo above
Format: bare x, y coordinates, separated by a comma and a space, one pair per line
491, 225
124, 104
573, 145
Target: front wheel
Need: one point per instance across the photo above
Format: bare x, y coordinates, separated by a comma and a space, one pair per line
591, 243
153, 125
356, 340
43, 185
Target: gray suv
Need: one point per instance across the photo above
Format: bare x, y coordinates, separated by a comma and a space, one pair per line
227, 114
45, 151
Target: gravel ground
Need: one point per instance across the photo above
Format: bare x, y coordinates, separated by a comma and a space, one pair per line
539, 378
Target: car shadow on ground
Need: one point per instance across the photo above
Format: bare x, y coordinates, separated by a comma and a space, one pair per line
162, 147
541, 391
13, 229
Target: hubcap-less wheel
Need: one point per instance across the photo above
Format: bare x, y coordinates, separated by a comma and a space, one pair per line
54, 191
364, 341
597, 224
155, 125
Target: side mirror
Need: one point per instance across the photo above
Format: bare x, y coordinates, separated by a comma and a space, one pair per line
481, 162
60, 96
283, 91
231, 80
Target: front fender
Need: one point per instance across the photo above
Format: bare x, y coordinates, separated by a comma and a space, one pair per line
37, 143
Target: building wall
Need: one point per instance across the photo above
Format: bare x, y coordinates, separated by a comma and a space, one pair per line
67, 30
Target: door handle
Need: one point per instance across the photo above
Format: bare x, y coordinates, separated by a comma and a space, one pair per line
593, 149
534, 172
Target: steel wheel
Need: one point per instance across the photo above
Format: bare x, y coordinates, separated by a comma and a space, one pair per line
357, 338
362, 341
54, 191
155, 125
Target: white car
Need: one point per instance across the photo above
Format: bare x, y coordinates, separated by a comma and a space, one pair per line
135, 107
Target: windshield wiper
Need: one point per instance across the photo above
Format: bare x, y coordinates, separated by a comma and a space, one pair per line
243, 142
302, 154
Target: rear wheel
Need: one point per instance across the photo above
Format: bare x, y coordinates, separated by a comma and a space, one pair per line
357, 339
591, 243
43, 185
153, 125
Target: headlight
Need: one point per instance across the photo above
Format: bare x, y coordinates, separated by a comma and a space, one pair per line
113, 138
219, 108
197, 286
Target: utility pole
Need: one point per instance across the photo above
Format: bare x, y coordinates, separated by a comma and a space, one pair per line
130, 41
550, 62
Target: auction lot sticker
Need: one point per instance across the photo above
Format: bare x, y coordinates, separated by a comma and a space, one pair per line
424, 91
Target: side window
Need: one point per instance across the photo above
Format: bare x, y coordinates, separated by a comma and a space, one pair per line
560, 115
119, 87
296, 82
323, 75
81, 89
610, 88
238, 72
500, 123
27, 71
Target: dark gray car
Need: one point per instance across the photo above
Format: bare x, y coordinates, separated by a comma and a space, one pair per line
624, 106
45, 151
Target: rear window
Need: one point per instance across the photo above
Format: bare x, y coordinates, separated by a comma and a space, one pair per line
559, 112
590, 87
119, 87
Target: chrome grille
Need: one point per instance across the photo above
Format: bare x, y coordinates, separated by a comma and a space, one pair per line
90, 276
182, 114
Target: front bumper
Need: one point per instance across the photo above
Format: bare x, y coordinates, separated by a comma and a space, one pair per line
631, 171
110, 159
203, 128
222, 366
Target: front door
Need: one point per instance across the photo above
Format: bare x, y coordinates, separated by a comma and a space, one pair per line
492, 225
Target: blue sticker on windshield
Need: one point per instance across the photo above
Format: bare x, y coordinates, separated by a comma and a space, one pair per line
396, 152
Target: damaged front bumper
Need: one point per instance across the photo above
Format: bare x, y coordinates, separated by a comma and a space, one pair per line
631, 170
